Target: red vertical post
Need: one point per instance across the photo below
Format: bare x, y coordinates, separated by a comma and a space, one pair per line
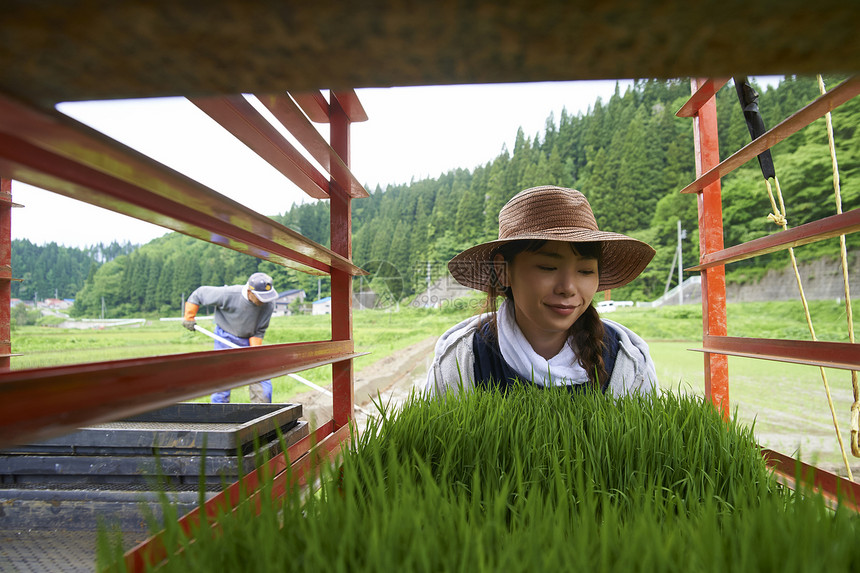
707, 149
341, 282
5, 273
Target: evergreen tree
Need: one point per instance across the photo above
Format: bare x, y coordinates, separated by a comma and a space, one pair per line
153, 273
470, 213
497, 194
635, 191
382, 241
186, 275
49, 270
164, 291
398, 255
420, 231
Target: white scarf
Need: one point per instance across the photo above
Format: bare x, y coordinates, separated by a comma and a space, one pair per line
563, 369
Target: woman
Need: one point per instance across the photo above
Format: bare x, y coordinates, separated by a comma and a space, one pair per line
548, 263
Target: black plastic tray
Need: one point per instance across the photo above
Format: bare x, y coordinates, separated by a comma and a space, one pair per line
184, 444
180, 429
56, 471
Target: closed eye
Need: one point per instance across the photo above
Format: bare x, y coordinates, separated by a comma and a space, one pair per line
545, 268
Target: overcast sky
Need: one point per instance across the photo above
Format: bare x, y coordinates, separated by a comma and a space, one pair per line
411, 133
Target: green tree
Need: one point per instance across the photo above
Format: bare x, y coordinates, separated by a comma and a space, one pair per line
470, 213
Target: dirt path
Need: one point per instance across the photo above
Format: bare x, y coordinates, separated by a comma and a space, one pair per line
393, 378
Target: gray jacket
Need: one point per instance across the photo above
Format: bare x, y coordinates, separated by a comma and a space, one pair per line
233, 311
454, 361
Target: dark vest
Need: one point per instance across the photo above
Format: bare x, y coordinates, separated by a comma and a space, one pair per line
492, 372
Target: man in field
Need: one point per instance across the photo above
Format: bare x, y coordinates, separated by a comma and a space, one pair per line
242, 314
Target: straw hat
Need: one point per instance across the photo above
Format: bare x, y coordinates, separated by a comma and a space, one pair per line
555, 214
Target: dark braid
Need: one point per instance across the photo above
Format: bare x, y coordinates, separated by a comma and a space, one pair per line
587, 339
586, 333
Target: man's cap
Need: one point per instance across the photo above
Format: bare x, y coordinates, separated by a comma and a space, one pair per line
261, 285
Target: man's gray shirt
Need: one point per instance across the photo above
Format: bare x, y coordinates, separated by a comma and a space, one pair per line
233, 311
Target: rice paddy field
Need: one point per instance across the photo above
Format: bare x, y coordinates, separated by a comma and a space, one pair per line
531, 481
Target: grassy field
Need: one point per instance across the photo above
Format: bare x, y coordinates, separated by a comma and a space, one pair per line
786, 402
378, 333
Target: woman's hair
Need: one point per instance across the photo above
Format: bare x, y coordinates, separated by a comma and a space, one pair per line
586, 333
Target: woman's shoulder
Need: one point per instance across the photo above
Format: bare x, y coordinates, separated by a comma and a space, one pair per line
622, 333
627, 342
634, 368
463, 330
453, 358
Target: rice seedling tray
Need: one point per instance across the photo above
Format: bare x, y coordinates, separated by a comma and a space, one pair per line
187, 443
179, 429
111, 471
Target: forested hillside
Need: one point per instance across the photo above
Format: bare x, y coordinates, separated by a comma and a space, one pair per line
629, 155
54, 271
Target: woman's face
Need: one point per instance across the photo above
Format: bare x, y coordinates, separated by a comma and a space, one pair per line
551, 287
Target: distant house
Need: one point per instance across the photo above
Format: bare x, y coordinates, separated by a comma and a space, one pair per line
14, 302
285, 298
322, 306
56, 304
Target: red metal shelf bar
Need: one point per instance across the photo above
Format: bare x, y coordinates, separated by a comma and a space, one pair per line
257, 236
238, 116
317, 109
313, 104
39, 403
710, 211
842, 355
289, 114
833, 488
6, 272
59, 154
350, 105
343, 373
705, 91
794, 123
820, 230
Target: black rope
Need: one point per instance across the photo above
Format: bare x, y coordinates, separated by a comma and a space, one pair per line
749, 104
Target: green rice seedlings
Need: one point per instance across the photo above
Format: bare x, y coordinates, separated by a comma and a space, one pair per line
618, 444
537, 480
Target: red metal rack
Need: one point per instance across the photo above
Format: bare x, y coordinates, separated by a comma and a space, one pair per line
717, 346
49, 150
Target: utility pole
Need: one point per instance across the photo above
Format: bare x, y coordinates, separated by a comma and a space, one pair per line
681, 236
680, 268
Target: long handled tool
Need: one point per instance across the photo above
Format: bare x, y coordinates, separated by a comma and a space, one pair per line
304, 381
